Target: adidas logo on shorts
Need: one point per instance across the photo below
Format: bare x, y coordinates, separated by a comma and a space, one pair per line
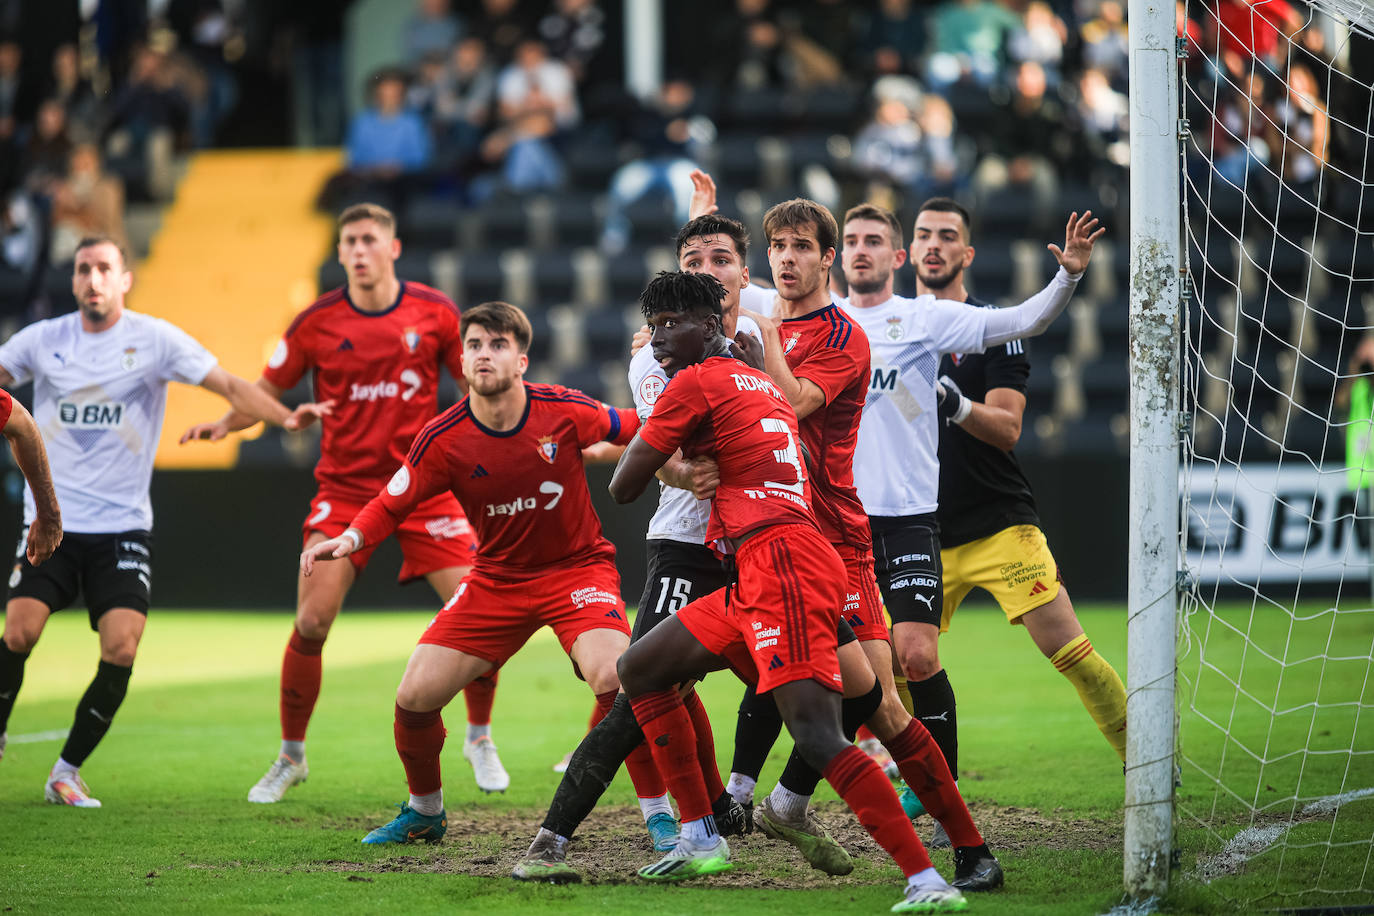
775, 664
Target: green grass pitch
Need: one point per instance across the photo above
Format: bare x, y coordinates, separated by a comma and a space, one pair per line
199, 727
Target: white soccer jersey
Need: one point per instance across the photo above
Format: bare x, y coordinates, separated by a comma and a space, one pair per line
758, 299
99, 401
896, 463
680, 515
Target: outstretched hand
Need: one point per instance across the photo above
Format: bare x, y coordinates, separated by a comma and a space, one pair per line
332, 549
703, 195
304, 416
212, 432
1079, 239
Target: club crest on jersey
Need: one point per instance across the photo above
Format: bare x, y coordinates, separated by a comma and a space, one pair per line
411, 338
791, 342
895, 331
548, 449
130, 359
650, 389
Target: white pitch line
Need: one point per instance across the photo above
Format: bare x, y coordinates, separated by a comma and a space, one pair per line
35, 737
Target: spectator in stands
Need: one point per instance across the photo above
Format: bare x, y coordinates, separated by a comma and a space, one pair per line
433, 29
87, 202
423, 89
463, 101
668, 134
897, 155
893, 39
970, 42
1106, 41
17, 101
502, 26
144, 118
49, 148
205, 33
1101, 116
1300, 129
1238, 144
387, 140
537, 100
574, 31
1040, 39
68, 87
829, 26
1245, 29
1029, 143
749, 40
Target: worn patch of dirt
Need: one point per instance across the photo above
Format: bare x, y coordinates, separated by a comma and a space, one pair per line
612, 844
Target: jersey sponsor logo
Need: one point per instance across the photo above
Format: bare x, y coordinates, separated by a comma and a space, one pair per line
446, 527
754, 383
101, 415
522, 504
650, 389
883, 380
911, 558
278, 357
387, 389
915, 582
895, 331
321, 513
764, 637
411, 338
130, 359
851, 602
399, 482
592, 595
548, 449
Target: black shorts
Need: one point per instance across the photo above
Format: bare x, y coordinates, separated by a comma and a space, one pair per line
678, 573
906, 559
109, 570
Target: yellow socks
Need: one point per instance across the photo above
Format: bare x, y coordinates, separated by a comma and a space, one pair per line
904, 694
1098, 686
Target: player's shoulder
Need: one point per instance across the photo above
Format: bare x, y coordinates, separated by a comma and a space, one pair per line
842, 331
428, 295
447, 421
333, 299
559, 394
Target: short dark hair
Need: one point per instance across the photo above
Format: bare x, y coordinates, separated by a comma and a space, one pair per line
799, 212
715, 224
375, 212
499, 318
682, 291
879, 215
949, 205
90, 241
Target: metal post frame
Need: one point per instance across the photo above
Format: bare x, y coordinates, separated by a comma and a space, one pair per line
1154, 405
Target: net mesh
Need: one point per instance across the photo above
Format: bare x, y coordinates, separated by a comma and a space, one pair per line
1276, 730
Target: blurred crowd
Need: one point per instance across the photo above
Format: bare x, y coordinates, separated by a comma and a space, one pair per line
97, 121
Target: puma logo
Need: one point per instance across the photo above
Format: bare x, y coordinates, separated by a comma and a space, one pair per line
942, 717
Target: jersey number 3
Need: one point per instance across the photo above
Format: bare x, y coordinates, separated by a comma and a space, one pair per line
786, 455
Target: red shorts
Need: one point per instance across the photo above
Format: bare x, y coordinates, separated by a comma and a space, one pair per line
781, 617
493, 618
435, 536
863, 603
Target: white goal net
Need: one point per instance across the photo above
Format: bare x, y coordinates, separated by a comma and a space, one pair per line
1275, 741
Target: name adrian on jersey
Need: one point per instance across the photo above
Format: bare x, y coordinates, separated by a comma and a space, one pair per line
103, 415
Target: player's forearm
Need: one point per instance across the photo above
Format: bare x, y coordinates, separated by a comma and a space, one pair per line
997, 427
32, 458
251, 404
676, 472
375, 522
1033, 316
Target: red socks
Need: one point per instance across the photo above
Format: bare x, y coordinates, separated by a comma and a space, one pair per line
640, 764
870, 795
300, 684
673, 742
419, 741
924, 768
706, 745
478, 695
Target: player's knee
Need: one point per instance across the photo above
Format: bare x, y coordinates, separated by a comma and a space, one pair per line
602, 676
920, 665
21, 639
122, 653
630, 673
314, 624
889, 717
817, 742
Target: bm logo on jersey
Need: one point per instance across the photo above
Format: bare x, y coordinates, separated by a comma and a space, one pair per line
90, 416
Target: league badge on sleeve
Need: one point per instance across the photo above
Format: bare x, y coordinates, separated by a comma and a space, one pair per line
548, 449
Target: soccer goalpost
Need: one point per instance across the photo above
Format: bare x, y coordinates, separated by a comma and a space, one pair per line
1250, 680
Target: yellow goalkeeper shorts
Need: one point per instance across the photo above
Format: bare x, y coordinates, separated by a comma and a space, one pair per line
1014, 565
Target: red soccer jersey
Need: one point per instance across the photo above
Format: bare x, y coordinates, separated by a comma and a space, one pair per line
524, 490
381, 369
6, 407
831, 351
735, 414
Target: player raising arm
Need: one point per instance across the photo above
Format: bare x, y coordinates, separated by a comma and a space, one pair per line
511, 453
100, 379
